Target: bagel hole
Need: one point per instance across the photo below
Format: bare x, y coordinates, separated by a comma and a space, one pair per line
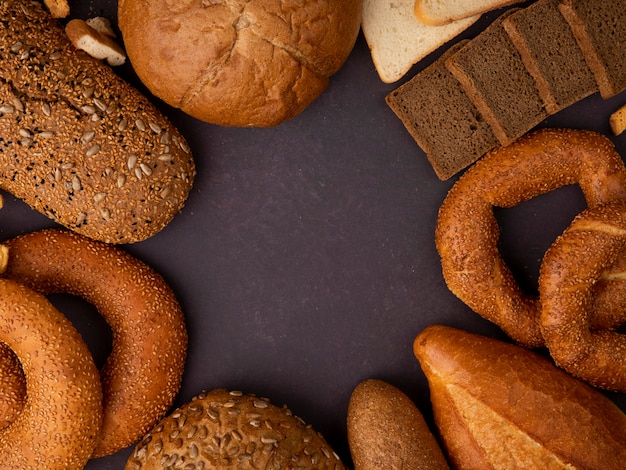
95, 331
528, 229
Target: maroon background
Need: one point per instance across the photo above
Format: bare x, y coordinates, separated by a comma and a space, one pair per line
304, 258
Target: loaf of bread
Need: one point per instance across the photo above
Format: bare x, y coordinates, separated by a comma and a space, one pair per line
498, 405
78, 143
492, 73
442, 119
386, 430
238, 63
397, 39
551, 54
224, 429
600, 29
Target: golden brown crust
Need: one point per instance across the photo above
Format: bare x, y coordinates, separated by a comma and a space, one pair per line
80, 144
498, 405
570, 269
467, 232
60, 422
12, 386
386, 430
236, 62
230, 430
143, 372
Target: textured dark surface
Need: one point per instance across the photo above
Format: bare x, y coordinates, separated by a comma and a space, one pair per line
305, 259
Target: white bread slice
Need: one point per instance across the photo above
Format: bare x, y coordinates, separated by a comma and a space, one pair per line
397, 39
441, 12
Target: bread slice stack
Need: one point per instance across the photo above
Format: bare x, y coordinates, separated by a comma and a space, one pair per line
527, 65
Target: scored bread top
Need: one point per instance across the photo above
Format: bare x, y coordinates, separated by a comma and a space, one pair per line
238, 63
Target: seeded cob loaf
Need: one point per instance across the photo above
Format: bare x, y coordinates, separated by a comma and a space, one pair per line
79, 144
231, 430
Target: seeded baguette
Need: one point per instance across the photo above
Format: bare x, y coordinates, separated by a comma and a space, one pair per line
78, 143
229, 430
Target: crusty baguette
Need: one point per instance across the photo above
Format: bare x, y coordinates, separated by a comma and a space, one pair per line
441, 12
387, 430
79, 144
498, 405
398, 40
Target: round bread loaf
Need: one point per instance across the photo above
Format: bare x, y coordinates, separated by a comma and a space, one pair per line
231, 430
238, 63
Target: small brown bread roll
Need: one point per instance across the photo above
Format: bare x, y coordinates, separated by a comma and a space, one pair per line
79, 144
232, 431
386, 430
498, 405
242, 62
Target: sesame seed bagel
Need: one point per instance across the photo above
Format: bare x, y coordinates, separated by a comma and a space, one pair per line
61, 418
143, 373
570, 268
78, 143
229, 430
467, 231
12, 386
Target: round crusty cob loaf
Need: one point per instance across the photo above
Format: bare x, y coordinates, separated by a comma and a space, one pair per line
79, 144
231, 430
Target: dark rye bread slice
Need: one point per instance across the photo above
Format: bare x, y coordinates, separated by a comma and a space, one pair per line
442, 119
600, 29
551, 54
493, 75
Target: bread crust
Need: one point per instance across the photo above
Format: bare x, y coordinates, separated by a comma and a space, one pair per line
59, 424
498, 405
570, 268
238, 63
143, 372
467, 231
81, 145
387, 430
230, 430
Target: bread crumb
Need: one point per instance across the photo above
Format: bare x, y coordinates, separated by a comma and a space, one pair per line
58, 8
96, 44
